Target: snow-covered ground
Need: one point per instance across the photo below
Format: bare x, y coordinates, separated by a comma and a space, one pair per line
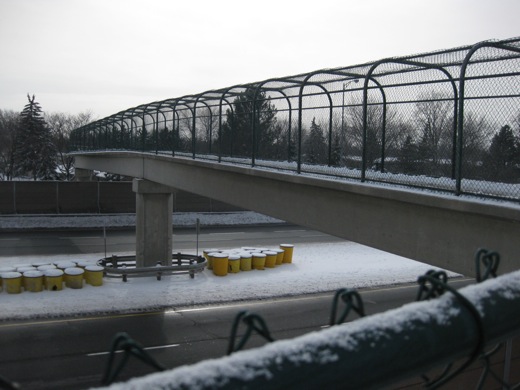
315, 268
90, 221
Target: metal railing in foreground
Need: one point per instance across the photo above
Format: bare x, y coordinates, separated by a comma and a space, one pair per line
371, 352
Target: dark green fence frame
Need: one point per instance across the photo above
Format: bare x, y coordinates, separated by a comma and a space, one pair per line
383, 103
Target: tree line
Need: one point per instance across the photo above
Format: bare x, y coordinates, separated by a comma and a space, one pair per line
34, 145
417, 140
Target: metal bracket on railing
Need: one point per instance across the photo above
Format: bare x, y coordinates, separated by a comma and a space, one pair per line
352, 300
490, 260
434, 284
253, 322
122, 341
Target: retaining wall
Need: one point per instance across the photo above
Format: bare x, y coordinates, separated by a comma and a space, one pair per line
59, 197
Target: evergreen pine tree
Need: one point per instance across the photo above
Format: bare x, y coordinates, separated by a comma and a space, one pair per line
502, 156
335, 158
315, 145
237, 130
35, 153
503, 148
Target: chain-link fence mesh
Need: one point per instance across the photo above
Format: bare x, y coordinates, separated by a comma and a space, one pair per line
446, 120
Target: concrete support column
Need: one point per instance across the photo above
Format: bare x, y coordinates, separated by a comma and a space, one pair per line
154, 208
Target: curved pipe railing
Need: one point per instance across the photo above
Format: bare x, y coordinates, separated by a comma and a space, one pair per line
323, 100
462, 85
420, 65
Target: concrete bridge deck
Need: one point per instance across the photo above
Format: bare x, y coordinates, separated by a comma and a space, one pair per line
444, 231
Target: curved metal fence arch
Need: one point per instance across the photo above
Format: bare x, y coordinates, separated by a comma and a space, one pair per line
498, 45
199, 125
419, 66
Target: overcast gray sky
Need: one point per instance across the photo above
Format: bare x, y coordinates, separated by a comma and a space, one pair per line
109, 55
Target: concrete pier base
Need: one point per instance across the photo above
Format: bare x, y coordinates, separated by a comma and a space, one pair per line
154, 210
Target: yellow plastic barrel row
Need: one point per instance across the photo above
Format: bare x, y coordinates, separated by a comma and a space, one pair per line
34, 278
222, 262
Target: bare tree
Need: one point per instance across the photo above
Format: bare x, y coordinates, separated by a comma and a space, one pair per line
207, 127
434, 113
8, 130
476, 139
61, 125
395, 132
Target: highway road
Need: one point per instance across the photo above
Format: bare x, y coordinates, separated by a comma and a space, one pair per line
72, 353
93, 241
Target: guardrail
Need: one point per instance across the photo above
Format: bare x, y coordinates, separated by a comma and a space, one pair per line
439, 120
124, 266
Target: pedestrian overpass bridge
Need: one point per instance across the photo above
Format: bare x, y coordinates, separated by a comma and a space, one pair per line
402, 154
382, 131
441, 230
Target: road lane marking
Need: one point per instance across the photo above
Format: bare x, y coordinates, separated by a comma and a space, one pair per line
226, 233
10, 239
80, 238
289, 231
230, 305
218, 240
90, 318
146, 348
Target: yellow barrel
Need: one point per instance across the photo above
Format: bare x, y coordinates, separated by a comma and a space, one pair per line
74, 277
12, 282
33, 281
94, 275
5, 269
258, 260
210, 257
53, 279
288, 252
63, 265
37, 264
43, 268
279, 256
234, 263
16, 266
83, 264
206, 253
270, 259
25, 269
245, 261
220, 264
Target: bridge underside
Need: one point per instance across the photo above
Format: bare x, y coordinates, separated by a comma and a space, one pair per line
443, 231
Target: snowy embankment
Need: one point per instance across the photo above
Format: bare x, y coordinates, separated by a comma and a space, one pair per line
315, 268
